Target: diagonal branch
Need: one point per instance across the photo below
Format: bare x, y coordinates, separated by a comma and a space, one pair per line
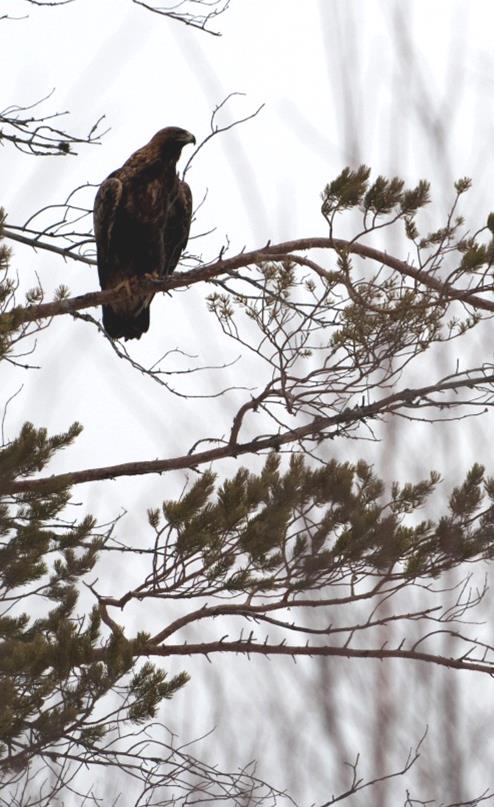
35, 243
198, 20
209, 272
389, 404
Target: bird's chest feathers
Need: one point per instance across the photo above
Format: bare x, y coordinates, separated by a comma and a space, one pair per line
147, 203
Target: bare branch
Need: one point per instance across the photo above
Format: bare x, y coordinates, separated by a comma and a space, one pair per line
178, 11
35, 135
36, 244
391, 404
248, 647
217, 129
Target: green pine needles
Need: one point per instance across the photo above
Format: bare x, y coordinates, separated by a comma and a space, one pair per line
266, 548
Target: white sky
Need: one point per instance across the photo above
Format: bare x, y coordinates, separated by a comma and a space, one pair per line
339, 86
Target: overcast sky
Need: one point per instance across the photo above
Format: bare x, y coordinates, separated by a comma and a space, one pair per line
406, 87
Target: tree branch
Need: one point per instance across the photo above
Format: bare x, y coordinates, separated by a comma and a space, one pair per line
199, 21
247, 647
389, 404
36, 244
209, 272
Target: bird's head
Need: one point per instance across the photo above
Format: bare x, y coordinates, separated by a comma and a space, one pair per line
170, 141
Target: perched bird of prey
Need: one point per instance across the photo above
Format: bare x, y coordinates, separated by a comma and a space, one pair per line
142, 215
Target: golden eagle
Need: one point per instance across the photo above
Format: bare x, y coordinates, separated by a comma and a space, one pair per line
142, 214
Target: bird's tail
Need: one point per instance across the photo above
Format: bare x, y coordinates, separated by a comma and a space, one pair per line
125, 326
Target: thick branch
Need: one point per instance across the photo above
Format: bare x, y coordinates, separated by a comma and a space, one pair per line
211, 271
389, 404
248, 647
248, 610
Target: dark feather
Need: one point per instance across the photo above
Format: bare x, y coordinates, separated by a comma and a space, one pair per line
120, 326
142, 215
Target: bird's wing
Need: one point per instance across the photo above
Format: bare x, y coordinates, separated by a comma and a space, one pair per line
106, 205
177, 226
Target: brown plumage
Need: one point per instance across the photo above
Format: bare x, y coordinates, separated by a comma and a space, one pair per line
142, 215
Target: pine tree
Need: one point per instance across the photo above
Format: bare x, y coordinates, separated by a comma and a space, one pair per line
293, 532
